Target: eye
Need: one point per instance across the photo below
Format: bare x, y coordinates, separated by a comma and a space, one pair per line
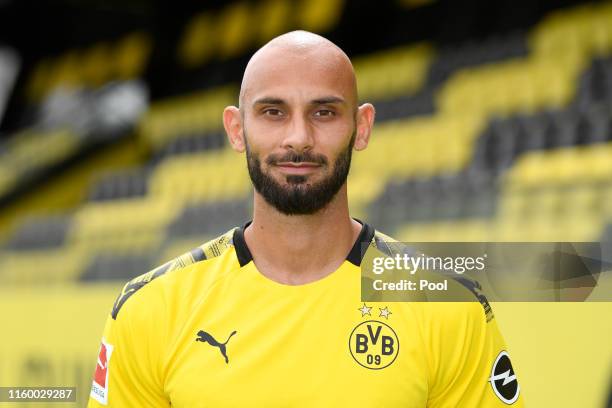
324, 113
272, 112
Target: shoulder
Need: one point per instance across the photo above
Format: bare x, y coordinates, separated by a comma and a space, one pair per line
389, 246
452, 316
204, 257
464, 295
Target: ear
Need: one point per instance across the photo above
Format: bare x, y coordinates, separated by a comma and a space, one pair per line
232, 121
365, 122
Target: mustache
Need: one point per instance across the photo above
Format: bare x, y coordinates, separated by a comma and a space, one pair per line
295, 157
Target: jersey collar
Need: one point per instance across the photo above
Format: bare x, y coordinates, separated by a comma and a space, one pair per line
354, 256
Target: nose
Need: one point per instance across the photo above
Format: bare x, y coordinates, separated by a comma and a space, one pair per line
299, 137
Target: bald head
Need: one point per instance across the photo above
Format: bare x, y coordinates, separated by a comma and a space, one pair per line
294, 54
298, 116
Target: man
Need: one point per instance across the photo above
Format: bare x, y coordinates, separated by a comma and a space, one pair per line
270, 314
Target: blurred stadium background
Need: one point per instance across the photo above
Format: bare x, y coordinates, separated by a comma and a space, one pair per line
494, 123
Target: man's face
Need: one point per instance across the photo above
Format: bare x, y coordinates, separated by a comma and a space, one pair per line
296, 195
299, 130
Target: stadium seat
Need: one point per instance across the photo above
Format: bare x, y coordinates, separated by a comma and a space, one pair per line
494, 49
42, 267
413, 104
473, 230
122, 267
122, 225
39, 233
195, 143
563, 166
29, 153
503, 88
204, 177
120, 185
583, 31
207, 219
394, 72
183, 116
595, 84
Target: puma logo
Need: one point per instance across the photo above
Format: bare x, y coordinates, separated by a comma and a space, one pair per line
207, 338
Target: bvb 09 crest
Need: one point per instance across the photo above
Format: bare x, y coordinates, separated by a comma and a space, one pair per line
374, 344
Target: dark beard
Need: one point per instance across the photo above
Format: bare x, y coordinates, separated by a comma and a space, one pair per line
300, 197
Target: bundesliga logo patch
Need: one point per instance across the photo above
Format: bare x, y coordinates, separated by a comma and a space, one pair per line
99, 388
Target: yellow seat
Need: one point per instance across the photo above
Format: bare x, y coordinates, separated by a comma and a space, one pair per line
393, 72
42, 267
508, 87
582, 30
204, 177
472, 230
563, 166
197, 113
131, 224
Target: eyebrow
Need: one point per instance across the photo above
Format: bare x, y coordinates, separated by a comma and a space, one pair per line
269, 101
326, 100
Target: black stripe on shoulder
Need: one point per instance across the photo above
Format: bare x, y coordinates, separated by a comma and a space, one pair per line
136, 284
198, 254
205, 251
474, 287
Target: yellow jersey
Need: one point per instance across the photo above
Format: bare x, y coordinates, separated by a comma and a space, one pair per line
207, 329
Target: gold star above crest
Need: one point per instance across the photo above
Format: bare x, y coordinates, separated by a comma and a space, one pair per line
365, 310
385, 312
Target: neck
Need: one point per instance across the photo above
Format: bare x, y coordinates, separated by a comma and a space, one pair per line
283, 246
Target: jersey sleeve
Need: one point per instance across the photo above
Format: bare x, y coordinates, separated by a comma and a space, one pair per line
128, 370
471, 365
